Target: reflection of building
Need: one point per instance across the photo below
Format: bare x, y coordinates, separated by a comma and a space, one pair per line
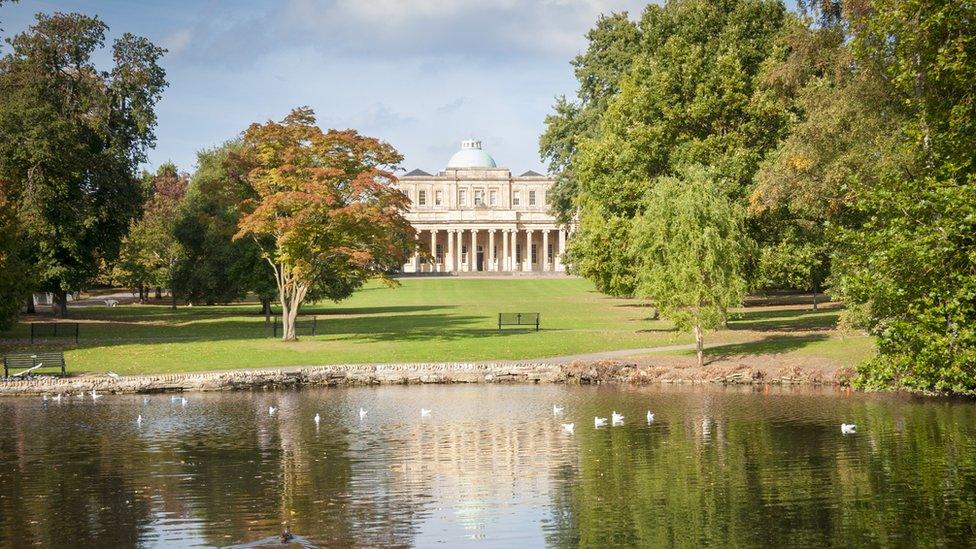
475, 216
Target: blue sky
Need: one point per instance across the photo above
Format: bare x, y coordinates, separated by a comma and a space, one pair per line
421, 74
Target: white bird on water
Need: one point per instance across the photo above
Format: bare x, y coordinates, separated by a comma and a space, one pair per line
599, 421
618, 419
139, 419
316, 419
56, 398
848, 428
362, 413
95, 395
183, 401
174, 398
272, 410
568, 427
556, 410
650, 417
424, 412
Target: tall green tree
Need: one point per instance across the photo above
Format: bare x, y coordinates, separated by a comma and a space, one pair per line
215, 268
690, 246
71, 139
150, 253
15, 274
693, 94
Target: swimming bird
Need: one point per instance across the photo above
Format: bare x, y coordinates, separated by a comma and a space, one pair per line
618, 419
174, 398
362, 413
139, 419
599, 421
568, 427
316, 419
848, 428
113, 375
424, 412
95, 395
272, 410
556, 410
183, 401
286, 536
145, 401
650, 417
56, 398
45, 397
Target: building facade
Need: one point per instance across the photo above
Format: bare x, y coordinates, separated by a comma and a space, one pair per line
475, 216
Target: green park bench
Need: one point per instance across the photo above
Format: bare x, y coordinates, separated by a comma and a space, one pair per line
518, 319
29, 362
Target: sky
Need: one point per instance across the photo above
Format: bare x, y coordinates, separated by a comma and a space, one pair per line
420, 74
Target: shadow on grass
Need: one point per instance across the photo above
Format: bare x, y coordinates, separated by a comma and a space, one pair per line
766, 346
791, 320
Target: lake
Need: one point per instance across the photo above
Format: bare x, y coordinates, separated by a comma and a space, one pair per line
491, 466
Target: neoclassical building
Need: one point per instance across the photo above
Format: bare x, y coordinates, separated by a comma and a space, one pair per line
475, 216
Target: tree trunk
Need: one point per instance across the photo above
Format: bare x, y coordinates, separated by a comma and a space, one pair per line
159, 292
288, 315
816, 287
59, 303
699, 346
30, 304
266, 309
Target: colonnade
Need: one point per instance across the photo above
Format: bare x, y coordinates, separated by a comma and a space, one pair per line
489, 250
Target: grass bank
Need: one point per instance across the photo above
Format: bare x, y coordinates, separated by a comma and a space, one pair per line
424, 320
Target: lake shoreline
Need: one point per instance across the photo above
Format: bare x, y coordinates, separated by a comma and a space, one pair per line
636, 372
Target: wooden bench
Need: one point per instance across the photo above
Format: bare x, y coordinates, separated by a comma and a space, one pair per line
33, 361
518, 319
53, 329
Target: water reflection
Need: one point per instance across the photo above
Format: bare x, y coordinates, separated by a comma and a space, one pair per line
491, 463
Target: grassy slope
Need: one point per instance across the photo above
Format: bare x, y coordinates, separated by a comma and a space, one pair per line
442, 319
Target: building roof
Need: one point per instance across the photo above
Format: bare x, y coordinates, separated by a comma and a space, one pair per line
531, 173
471, 156
416, 172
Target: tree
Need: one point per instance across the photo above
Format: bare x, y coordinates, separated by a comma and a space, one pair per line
214, 267
14, 272
692, 94
71, 138
150, 252
327, 214
690, 246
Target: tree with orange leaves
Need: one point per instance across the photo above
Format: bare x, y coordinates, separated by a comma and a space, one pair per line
326, 212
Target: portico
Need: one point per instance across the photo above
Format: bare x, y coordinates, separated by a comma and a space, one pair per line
476, 217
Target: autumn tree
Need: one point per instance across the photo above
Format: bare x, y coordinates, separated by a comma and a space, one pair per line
326, 214
71, 139
689, 248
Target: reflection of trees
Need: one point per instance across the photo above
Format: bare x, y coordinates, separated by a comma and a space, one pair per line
748, 477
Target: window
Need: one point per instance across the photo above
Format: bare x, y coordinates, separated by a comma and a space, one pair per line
549, 254
462, 197
493, 197
464, 253
516, 198
439, 253
438, 198
518, 253
534, 254
422, 197
479, 197
545, 197
531, 198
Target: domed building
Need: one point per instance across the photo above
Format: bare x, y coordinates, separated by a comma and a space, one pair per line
475, 216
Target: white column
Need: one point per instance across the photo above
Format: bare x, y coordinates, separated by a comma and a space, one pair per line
458, 246
545, 250
505, 261
449, 257
527, 255
472, 251
562, 250
433, 250
491, 251
416, 252
513, 264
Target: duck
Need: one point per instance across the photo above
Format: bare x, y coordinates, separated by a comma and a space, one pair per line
568, 427
599, 421
650, 417
174, 398
424, 412
617, 419
183, 401
139, 419
556, 410
56, 398
362, 413
286, 536
848, 428
316, 419
272, 410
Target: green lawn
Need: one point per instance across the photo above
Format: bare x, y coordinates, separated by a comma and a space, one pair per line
425, 319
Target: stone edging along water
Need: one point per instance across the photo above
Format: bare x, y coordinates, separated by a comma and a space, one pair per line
375, 374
